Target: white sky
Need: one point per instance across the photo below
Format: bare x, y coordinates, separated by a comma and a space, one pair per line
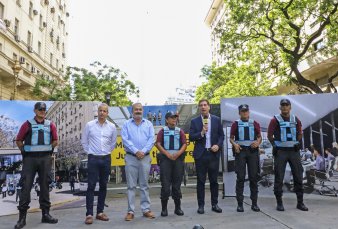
159, 44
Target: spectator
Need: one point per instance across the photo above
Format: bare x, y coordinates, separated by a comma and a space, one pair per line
4, 190
334, 150
320, 162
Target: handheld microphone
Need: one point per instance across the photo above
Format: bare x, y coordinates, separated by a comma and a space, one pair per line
205, 120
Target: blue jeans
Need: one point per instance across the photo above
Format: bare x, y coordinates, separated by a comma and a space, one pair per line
98, 170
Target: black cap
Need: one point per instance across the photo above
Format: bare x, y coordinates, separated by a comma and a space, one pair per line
170, 114
40, 105
285, 101
243, 107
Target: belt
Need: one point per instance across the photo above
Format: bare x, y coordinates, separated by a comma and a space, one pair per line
99, 156
134, 155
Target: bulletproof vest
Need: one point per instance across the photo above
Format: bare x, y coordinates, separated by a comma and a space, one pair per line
246, 132
171, 146
288, 132
38, 138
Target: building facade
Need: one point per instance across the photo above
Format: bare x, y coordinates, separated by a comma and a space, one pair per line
317, 66
182, 96
33, 38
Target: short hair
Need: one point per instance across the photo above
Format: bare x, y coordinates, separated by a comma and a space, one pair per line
203, 100
103, 105
132, 106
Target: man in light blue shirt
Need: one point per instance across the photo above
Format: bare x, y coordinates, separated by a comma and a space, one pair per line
98, 140
138, 140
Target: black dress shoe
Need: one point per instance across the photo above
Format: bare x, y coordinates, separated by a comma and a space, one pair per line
302, 207
240, 208
255, 208
280, 207
200, 210
217, 209
164, 212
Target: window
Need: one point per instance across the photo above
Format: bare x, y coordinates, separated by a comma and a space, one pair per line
29, 38
319, 45
0, 47
15, 57
41, 21
51, 59
57, 64
30, 10
18, 2
16, 27
39, 48
59, 21
2, 11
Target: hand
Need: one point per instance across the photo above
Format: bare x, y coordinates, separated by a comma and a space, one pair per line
139, 155
205, 129
237, 148
215, 148
175, 156
255, 145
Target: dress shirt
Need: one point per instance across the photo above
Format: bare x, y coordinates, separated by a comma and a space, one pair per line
320, 163
207, 134
138, 137
99, 139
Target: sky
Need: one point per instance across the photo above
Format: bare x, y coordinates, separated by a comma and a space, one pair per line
160, 44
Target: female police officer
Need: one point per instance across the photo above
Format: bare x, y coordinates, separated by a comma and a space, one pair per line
171, 142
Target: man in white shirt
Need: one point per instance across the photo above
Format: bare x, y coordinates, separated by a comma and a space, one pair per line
98, 140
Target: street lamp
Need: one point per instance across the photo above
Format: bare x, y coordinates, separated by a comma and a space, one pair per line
16, 70
107, 95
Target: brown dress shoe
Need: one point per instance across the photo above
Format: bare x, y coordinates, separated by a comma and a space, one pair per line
89, 219
149, 215
102, 217
129, 217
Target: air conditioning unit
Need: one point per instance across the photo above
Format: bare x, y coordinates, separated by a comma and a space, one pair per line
7, 22
52, 10
17, 38
33, 69
35, 12
30, 49
22, 60
44, 24
47, 2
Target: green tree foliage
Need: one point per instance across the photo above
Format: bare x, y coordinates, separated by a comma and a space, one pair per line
275, 34
90, 85
231, 80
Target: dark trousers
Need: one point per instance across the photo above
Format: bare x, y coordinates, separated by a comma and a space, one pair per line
208, 163
18, 194
98, 170
171, 174
280, 160
250, 158
40, 163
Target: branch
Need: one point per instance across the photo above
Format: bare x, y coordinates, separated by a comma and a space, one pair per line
319, 31
330, 84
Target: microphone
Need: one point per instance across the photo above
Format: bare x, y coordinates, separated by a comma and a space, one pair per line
205, 120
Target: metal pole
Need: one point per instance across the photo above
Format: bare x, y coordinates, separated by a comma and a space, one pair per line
321, 139
311, 136
333, 128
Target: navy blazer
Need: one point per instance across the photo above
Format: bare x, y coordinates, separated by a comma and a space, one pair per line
216, 138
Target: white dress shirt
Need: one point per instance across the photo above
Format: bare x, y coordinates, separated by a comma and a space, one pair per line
99, 139
207, 134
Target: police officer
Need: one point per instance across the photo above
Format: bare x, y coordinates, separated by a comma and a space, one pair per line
285, 134
36, 140
245, 138
171, 142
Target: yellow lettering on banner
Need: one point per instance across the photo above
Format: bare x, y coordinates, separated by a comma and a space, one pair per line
118, 153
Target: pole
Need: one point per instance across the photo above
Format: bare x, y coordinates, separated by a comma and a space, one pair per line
333, 128
311, 136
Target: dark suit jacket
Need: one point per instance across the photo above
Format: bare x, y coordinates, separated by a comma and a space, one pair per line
216, 138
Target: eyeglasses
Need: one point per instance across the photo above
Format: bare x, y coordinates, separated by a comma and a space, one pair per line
42, 109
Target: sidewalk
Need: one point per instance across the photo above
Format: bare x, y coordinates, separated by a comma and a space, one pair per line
8, 206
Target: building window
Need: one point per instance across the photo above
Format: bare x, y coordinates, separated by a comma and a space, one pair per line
59, 21
57, 64
18, 2
0, 47
16, 27
39, 48
51, 59
29, 38
41, 21
15, 57
2, 11
319, 45
30, 10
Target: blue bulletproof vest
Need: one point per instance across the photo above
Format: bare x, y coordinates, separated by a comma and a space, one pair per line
288, 132
167, 133
40, 138
241, 126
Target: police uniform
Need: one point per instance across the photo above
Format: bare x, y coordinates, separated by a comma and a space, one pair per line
171, 171
283, 133
36, 152
245, 132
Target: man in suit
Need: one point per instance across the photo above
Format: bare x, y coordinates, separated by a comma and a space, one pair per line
207, 132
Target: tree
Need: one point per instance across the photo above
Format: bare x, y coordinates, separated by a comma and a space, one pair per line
231, 80
86, 85
275, 35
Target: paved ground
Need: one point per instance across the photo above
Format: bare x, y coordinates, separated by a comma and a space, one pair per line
322, 214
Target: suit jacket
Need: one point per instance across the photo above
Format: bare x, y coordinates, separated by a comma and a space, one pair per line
216, 137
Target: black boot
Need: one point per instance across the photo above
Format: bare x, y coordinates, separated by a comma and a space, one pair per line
178, 210
240, 207
254, 206
22, 220
300, 204
47, 218
280, 206
164, 211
